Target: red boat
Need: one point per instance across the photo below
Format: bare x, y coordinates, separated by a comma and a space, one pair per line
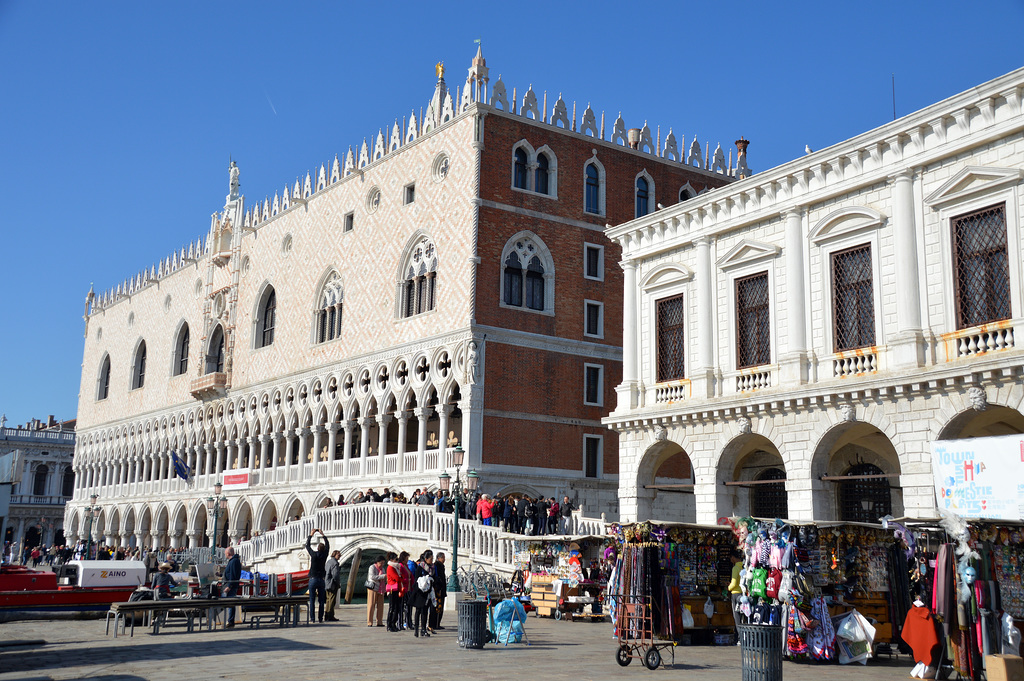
300, 582
27, 593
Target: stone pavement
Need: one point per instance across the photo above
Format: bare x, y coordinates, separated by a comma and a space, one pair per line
350, 650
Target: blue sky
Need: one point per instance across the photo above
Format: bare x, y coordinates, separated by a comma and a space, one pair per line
118, 118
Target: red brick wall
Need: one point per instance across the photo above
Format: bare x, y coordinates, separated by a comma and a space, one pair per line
547, 384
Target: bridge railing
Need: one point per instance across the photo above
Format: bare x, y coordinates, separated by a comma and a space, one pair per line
482, 544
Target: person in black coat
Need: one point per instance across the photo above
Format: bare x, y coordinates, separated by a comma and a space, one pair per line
232, 573
420, 598
317, 573
540, 516
521, 512
440, 592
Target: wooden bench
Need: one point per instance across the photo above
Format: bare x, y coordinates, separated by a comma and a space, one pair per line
286, 611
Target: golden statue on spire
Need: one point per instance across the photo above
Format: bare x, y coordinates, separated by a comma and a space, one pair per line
440, 69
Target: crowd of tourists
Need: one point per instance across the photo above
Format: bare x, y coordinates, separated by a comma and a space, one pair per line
516, 514
413, 589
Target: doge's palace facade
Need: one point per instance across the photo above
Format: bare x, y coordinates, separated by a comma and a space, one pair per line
803, 335
349, 332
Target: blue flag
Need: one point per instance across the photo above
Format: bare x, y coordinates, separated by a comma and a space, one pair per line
181, 469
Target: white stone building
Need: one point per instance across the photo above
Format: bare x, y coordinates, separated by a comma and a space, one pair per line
447, 283
38, 458
803, 335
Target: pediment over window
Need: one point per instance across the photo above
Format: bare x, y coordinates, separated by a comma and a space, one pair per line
666, 275
846, 221
973, 181
747, 251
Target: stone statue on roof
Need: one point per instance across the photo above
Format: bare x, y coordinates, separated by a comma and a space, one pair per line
440, 69
233, 172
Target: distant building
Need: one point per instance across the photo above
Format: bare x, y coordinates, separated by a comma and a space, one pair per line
446, 283
37, 459
800, 338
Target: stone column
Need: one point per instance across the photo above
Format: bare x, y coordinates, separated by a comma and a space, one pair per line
403, 431
422, 414
364, 438
192, 541
276, 454
907, 346
382, 434
443, 413
347, 453
332, 446
317, 431
302, 434
251, 451
793, 367
219, 448
627, 390
289, 451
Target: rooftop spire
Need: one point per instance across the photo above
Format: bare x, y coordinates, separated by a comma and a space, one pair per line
477, 79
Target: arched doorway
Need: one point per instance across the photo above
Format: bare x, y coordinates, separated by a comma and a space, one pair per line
993, 420
32, 536
751, 479
664, 485
852, 460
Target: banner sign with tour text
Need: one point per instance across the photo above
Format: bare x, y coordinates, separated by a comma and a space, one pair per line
980, 477
236, 479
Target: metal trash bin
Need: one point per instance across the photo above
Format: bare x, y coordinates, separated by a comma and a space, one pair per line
472, 624
761, 651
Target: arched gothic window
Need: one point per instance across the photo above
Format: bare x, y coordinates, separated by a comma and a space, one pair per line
215, 356
328, 321
68, 484
642, 196
540, 182
39, 484
139, 367
519, 173
864, 500
420, 279
266, 318
591, 192
103, 382
180, 365
528, 286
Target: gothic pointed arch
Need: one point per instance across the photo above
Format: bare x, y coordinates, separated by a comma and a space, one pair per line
138, 378
594, 182
180, 352
103, 378
527, 274
417, 277
327, 313
215, 351
265, 317
643, 192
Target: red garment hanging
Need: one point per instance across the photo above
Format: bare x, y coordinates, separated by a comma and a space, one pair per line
919, 633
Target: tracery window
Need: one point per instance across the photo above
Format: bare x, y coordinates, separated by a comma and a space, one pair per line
418, 289
519, 176
526, 286
328, 322
540, 183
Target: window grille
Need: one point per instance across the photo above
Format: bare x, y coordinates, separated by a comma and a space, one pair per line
770, 500
865, 500
671, 334
753, 324
982, 267
540, 182
519, 174
853, 299
642, 194
591, 190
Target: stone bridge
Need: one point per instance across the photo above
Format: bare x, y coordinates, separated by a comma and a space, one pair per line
389, 527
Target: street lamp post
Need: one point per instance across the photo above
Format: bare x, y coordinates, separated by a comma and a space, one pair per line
215, 505
90, 511
445, 480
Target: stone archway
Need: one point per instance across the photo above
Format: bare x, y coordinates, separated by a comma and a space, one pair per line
753, 461
267, 517
855, 451
664, 482
242, 519
989, 421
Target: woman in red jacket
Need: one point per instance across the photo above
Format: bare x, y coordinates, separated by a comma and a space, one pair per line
394, 589
405, 609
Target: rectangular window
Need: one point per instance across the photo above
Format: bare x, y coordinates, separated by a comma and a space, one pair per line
753, 324
982, 267
593, 261
410, 193
592, 456
853, 302
671, 334
350, 221
593, 384
593, 313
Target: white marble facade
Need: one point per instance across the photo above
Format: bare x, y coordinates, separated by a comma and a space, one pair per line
801, 402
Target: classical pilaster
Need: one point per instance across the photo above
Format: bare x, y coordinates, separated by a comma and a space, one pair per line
702, 378
627, 390
907, 347
793, 365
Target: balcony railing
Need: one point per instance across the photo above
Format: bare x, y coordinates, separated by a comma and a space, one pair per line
209, 386
979, 340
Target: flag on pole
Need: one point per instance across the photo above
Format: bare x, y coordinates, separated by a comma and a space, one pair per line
181, 469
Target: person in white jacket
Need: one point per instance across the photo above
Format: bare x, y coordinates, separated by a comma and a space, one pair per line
375, 598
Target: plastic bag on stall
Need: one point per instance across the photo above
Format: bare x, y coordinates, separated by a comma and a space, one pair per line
849, 628
1011, 636
687, 618
855, 637
709, 608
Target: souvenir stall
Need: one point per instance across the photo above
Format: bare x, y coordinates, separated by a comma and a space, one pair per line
836, 588
564, 576
683, 570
